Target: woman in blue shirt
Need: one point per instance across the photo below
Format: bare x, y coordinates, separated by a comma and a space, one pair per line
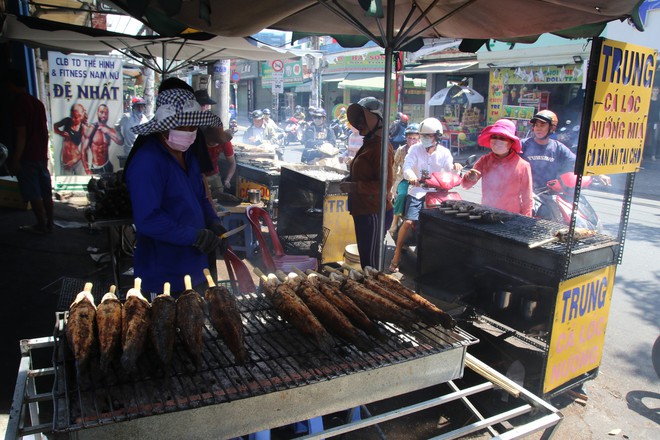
176, 225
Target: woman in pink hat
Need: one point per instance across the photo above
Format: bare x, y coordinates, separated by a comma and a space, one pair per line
507, 178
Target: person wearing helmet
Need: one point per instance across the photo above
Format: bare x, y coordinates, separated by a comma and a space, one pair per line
315, 135
258, 132
400, 186
424, 158
397, 130
299, 113
129, 120
506, 177
363, 183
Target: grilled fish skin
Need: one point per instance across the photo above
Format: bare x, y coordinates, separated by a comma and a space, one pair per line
163, 329
440, 316
190, 320
377, 307
348, 307
294, 310
135, 322
226, 319
333, 319
108, 322
422, 313
81, 327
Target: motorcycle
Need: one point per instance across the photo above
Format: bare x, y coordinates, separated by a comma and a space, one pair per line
443, 182
555, 202
293, 131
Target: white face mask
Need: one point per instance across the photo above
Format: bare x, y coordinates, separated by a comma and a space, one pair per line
427, 142
499, 146
181, 140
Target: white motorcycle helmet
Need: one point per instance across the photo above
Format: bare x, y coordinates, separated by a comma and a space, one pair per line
430, 126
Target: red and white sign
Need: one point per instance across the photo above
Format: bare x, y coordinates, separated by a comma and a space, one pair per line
277, 65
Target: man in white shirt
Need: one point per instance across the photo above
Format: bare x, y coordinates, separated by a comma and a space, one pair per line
424, 158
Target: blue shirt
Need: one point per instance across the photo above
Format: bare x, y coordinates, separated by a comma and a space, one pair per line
169, 208
547, 161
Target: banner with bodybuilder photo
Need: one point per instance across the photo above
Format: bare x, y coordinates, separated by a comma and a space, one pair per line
86, 101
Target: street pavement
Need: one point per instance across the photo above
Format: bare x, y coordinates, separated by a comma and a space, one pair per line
35, 268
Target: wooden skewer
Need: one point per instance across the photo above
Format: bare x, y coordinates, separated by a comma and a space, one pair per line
135, 290
85, 294
166, 288
300, 273
451, 211
113, 289
463, 214
280, 275
475, 365
187, 282
88, 287
542, 242
321, 277
209, 278
332, 270
474, 217
259, 273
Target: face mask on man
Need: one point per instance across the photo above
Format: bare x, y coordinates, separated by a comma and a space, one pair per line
499, 146
181, 140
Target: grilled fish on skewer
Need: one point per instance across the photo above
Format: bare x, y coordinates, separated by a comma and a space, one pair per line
163, 327
443, 318
424, 314
294, 310
226, 319
108, 322
80, 326
333, 319
375, 306
190, 320
135, 322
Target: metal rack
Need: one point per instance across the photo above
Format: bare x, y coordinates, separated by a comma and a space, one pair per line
25, 414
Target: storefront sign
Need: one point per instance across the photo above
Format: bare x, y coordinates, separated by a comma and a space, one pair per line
359, 63
86, 100
623, 76
578, 330
292, 73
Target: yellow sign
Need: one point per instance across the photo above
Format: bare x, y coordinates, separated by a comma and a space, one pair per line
339, 224
578, 331
620, 108
245, 184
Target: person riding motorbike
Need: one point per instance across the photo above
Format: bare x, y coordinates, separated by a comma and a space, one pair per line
258, 132
424, 158
400, 187
396, 133
316, 134
299, 113
276, 130
548, 157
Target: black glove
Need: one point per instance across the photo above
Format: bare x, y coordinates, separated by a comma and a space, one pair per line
217, 228
207, 241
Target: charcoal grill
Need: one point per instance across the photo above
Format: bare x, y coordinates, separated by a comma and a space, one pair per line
287, 379
466, 263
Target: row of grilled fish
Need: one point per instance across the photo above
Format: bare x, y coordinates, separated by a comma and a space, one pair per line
319, 306
130, 325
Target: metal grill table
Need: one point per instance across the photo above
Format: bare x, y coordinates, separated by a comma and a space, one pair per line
286, 380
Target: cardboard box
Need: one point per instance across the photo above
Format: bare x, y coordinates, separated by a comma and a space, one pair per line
10, 196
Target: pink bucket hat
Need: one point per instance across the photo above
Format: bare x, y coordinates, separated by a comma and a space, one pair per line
503, 127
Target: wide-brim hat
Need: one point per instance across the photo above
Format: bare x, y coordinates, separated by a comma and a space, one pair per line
503, 127
177, 108
354, 113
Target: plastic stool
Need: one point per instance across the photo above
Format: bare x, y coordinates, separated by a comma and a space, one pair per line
311, 426
240, 242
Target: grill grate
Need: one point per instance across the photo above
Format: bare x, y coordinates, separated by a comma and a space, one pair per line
280, 358
521, 229
73, 286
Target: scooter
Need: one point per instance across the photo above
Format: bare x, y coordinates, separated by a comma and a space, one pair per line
569, 134
555, 202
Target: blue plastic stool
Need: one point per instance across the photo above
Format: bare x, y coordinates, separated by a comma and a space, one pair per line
310, 426
245, 241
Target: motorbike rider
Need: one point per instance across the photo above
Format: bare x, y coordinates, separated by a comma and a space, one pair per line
548, 157
425, 157
400, 187
316, 134
130, 120
258, 132
397, 129
276, 130
299, 113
